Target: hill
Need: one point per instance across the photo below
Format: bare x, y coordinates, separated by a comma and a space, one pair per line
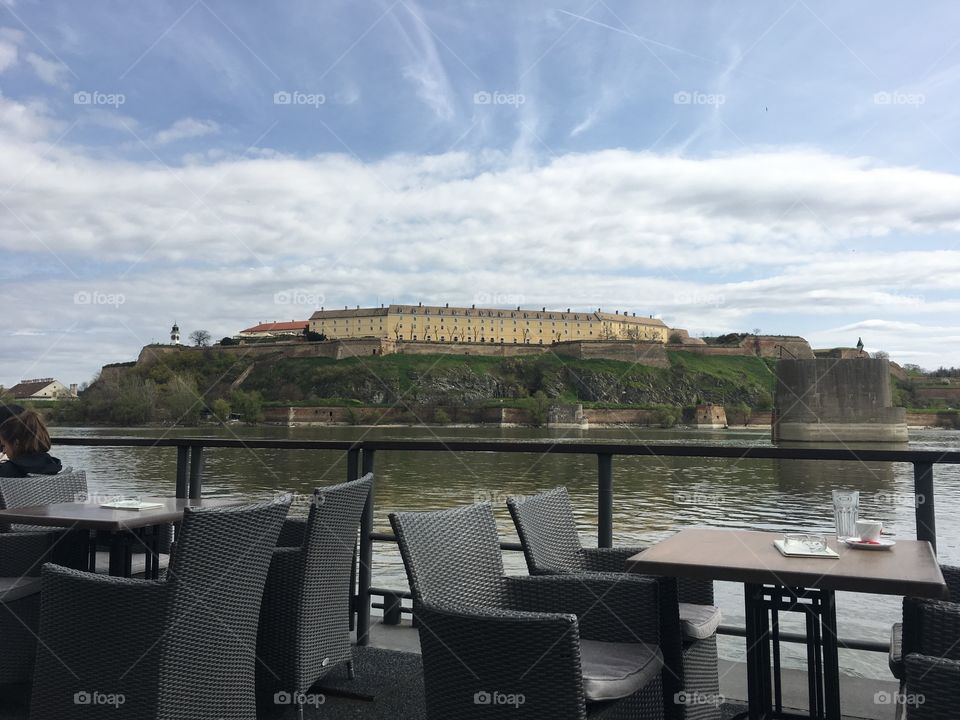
186, 384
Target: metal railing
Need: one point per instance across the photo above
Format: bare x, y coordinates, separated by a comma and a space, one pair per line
360, 459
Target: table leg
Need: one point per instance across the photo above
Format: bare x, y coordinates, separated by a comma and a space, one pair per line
120, 555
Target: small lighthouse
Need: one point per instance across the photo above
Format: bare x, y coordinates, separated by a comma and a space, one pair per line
175, 334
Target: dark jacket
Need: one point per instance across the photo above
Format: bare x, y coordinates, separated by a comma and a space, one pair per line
35, 464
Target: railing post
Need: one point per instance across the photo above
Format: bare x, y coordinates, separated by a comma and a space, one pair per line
926, 514
604, 500
183, 462
196, 470
366, 559
353, 464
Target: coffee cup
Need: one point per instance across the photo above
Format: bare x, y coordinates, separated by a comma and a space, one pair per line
869, 529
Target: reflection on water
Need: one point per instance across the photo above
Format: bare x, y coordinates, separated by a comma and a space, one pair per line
653, 496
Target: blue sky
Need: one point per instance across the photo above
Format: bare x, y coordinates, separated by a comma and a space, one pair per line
788, 166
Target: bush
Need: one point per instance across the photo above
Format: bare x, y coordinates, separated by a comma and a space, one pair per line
221, 409
249, 405
665, 417
440, 417
675, 338
539, 409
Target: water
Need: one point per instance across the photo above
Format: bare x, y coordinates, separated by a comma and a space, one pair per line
654, 497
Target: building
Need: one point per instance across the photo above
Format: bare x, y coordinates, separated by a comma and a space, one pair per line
445, 324
275, 329
175, 334
42, 389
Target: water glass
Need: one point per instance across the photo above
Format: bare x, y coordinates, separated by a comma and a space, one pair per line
846, 505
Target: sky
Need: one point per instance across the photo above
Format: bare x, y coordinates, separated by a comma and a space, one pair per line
792, 167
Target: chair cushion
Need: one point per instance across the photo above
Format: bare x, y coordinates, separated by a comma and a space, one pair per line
14, 588
617, 670
895, 659
698, 622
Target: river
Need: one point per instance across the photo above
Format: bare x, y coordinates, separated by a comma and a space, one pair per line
653, 498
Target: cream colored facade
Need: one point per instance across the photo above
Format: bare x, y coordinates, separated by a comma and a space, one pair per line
433, 323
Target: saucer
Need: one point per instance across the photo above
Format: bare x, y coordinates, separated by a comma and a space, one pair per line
881, 544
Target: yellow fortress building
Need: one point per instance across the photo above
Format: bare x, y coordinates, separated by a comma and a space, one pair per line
445, 324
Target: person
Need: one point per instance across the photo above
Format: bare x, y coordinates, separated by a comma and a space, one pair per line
26, 443
6, 412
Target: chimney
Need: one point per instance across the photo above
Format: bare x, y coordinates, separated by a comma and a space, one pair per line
446, 304
518, 307
419, 304
73, 389
473, 307
616, 312
568, 309
543, 309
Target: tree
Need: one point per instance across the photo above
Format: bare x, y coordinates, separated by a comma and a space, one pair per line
881, 355
221, 409
312, 336
249, 405
229, 341
200, 338
675, 338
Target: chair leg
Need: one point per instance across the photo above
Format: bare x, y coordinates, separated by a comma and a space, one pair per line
300, 709
351, 672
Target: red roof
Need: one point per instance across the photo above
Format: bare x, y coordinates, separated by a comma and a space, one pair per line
277, 326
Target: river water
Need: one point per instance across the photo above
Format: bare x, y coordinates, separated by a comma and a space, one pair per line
653, 498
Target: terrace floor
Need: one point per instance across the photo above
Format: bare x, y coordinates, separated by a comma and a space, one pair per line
389, 686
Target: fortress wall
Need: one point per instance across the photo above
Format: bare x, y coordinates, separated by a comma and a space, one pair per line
836, 400
650, 354
771, 345
421, 347
723, 350
939, 393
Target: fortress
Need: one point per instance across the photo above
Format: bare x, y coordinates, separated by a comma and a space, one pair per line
445, 324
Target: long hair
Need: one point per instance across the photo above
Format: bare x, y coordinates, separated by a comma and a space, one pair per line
24, 434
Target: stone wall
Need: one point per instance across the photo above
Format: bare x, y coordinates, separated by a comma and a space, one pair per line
836, 401
641, 353
944, 392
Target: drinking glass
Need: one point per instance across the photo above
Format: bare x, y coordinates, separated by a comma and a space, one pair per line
846, 504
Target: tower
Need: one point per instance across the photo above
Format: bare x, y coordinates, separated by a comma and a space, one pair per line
175, 334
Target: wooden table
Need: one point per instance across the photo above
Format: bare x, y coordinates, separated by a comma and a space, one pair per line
124, 529
774, 583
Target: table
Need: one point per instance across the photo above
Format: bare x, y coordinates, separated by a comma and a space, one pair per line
774, 583
126, 530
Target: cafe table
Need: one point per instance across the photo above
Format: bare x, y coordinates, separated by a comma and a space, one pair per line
126, 531
774, 583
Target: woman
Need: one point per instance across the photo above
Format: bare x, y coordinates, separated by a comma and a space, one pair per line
26, 443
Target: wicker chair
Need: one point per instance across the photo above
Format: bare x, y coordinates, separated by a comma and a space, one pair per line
21, 557
688, 619
305, 617
178, 648
925, 653
550, 648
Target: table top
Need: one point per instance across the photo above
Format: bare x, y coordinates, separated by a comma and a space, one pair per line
908, 568
90, 516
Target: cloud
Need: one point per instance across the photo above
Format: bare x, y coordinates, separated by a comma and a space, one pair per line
9, 40
709, 243
185, 129
424, 68
52, 72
